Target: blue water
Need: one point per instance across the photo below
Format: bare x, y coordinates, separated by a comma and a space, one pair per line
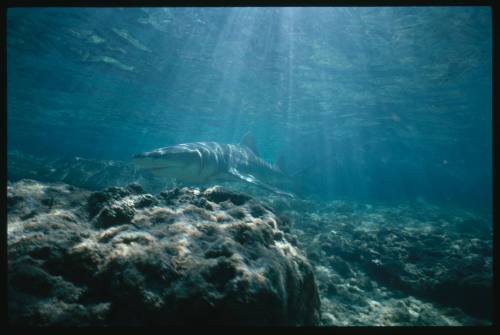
381, 104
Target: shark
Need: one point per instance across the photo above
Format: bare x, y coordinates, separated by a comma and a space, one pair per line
206, 162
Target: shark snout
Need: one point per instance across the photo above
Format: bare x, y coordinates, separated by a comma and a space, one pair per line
147, 160
138, 157
162, 160
148, 155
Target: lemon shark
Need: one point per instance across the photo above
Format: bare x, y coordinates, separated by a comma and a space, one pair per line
204, 162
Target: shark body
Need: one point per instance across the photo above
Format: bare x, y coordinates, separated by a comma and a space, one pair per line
204, 162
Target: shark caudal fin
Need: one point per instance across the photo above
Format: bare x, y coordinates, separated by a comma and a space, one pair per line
281, 164
249, 142
296, 181
284, 165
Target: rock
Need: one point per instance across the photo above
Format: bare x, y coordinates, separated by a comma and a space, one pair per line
122, 257
135, 188
442, 256
145, 200
217, 195
98, 200
115, 214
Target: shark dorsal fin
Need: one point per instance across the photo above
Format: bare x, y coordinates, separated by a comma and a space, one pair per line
249, 142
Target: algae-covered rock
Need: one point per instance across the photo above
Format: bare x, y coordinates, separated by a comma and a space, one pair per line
121, 257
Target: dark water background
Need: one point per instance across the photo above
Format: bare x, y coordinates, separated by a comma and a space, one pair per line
378, 104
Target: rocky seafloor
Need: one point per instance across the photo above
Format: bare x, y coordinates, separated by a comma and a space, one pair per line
92, 255
414, 264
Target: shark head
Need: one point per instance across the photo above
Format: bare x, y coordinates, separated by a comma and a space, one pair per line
175, 161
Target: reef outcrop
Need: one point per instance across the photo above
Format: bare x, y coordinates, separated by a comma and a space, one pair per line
121, 256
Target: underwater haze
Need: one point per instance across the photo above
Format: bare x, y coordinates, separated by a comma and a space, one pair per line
379, 117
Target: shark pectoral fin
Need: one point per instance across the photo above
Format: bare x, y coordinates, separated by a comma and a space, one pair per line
245, 177
251, 179
272, 189
277, 191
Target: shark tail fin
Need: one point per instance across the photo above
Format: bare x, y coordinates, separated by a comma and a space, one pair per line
281, 163
249, 142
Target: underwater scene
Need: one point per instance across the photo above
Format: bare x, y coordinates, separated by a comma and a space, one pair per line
287, 166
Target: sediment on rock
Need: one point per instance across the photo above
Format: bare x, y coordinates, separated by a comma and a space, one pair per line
122, 257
